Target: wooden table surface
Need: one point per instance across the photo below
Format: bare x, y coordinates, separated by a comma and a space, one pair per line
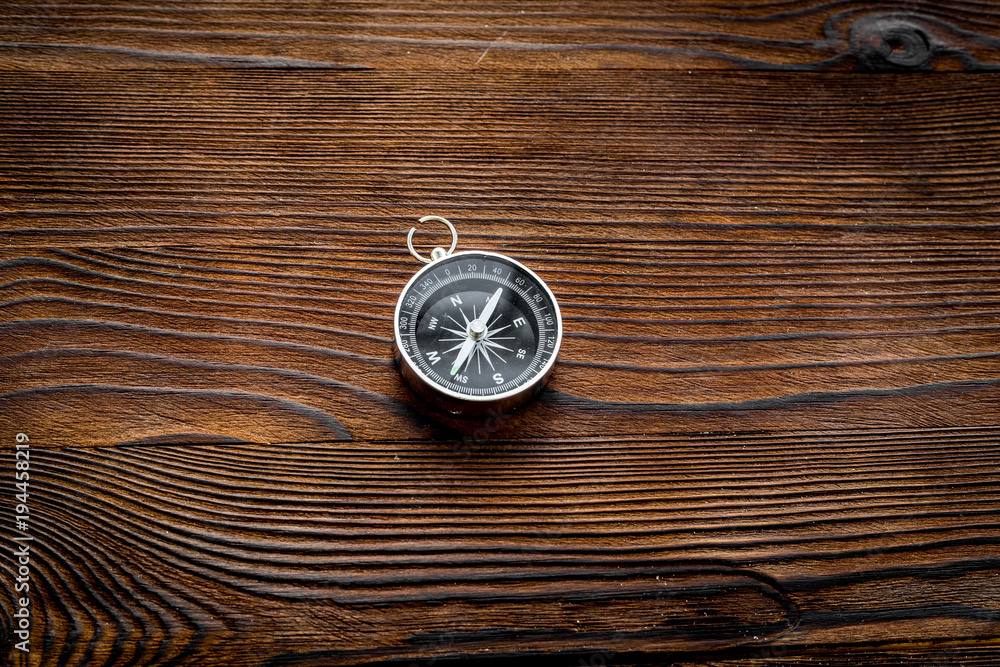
772, 434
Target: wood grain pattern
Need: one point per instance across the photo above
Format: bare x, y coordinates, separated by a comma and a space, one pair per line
591, 34
308, 158
800, 337
780, 534
693, 543
771, 437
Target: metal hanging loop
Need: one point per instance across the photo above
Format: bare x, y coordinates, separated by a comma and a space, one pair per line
437, 253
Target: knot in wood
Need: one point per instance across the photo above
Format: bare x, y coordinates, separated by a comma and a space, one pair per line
890, 44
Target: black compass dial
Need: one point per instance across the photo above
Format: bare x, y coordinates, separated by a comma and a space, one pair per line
478, 326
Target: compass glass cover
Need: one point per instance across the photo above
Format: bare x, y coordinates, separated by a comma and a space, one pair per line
478, 325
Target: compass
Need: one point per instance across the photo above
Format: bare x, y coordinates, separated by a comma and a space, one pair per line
475, 332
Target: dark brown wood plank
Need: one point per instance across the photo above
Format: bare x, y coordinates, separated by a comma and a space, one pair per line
156, 158
691, 34
660, 338
765, 545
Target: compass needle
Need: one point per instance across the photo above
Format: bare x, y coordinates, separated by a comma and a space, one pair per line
491, 304
463, 354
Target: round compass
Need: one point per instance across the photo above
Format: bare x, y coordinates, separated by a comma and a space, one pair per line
476, 332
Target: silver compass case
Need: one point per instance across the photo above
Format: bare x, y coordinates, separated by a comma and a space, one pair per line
476, 332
